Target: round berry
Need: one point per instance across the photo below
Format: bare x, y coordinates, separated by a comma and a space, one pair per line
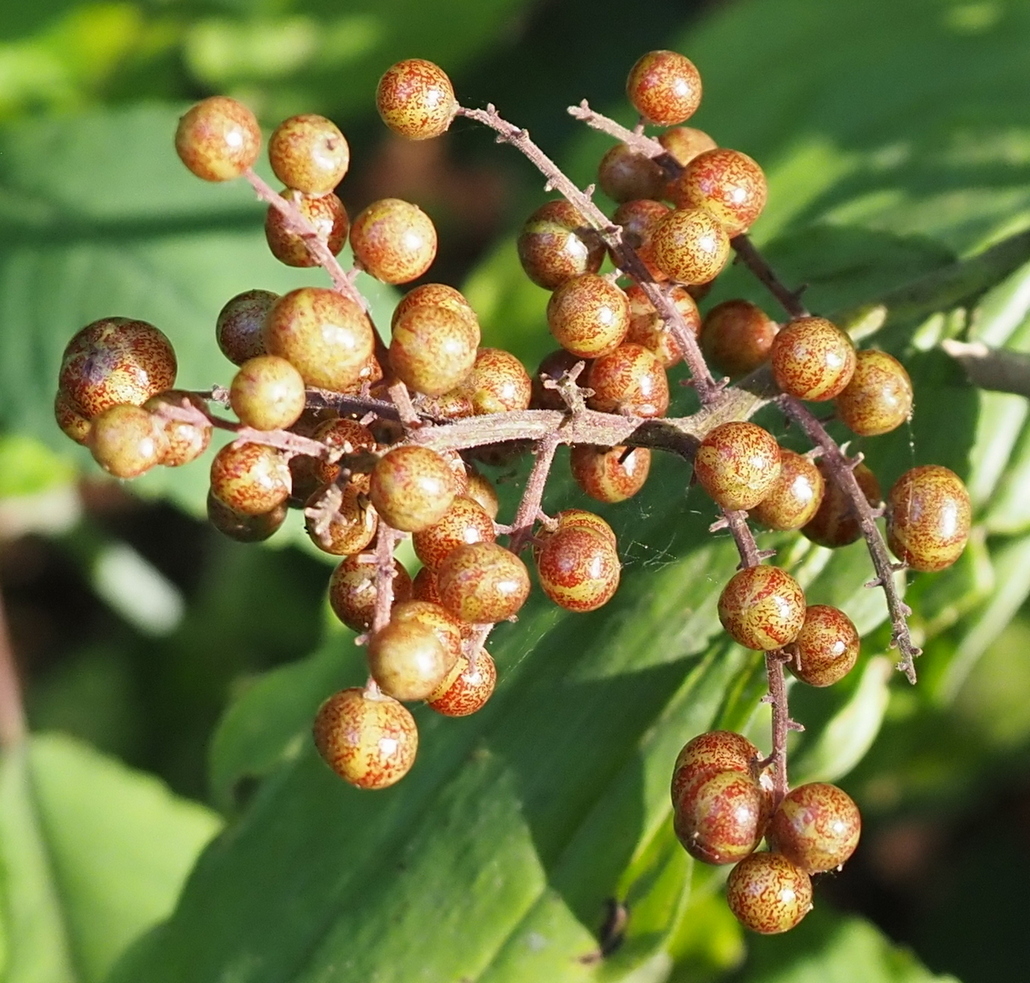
639, 219
407, 660
835, 522
498, 382
737, 336
324, 213
588, 315
466, 688
710, 754
726, 182
812, 358
344, 435
466, 521
267, 393
762, 608
928, 518
482, 583
250, 478
240, 329
244, 528
345, 531
768, 894
415, 99
578, 568
370, 741
647, 328
794, 497
816, 827
664, 87
610, 474
412, 488
436, 295
309, 153
187, 439
737, 464
684, 143
690, 245
878, 398
72, 421
393, 240
433, 348
218, 139
556, 243
126, 440
352, 589
630, 381
624, 175
448, 629
582, 519
826, 648
722, 819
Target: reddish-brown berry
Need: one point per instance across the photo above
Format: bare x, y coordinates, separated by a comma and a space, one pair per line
826, 648
630, 381
710, 754
582, 519
348, 436
325, 214
433, 348
726, 182
647, 328
928, 518
684, 143
624, 175
126, 440
466, 688
465, 522
415, 99
794, 497
878, 398
244, 528
240, 329
72, 421
737, 464
553, 368
835, 522
690, 245
722, 819
309, 153
816, 827
768, 894
812, 358
498, 382
482, 583
588, 315
578, 568
352, 589
639, 219
218, 139
610, 474
762, 607
436, 295
737, 336
250, 478
346, 530
556, 244
187, 439
394, 240
412, 488
664, 87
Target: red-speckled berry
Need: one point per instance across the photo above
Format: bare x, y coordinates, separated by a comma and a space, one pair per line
610, 474
556, 243
624, 174
664, 87
423, 587
466, 521
812, 358
240, 328
116, 360
878, 398
72, 421
737, 336
690, 245
737, 464
826, 648
498, 382
327, 217
482, 583
394, 240
647, 328
407, 659
762, 607
722, 819
630, 380
835, 522
368, 740
126, 440
448, 629
415, 99
436, 295
218, 139
928, 518
348, 436
345, 531
309, 153
728, 183
578, 568
267, 393
244, 528
187, 439
433, 348
816, 827
588, 315
352, 589
250, 478
412, 488
710, 754
582, 519
466, 688
768, 894
794, 497
639, 218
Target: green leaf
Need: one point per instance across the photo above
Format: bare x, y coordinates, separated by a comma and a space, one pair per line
91, 855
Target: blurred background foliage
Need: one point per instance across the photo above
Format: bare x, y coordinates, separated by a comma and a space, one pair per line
897, 145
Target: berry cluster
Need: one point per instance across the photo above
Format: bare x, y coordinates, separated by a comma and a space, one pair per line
376, 441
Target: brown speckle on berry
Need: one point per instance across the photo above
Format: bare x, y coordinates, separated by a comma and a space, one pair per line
218, 139
762, 607
415, 99
768, 894
737, 464
928, 518
664, 87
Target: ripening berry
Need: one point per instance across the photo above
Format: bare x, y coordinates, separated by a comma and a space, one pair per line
187, 439
588, 315
625, 174
370, 741
345, 435
325, 214
423, 587
721, 819
737, 464
466, 688
710, 754
393, 240
816, 827
436, 295
794, 497
347, 530
352, 589
878, 398
116, 360
126, 440
664, 87
928, 518
684, 143
610, 474
451, 405
309, 153
812, 358
267, 393
498, 382
412, 488
72, 421
244, 528
448, 629
250, 478
415, 99
737, 336
639, 219
768, 894
629, 381
726, 182
556, 243
433, 348
218, 139
835, 522
553, 367
326, 336
690, 245
578, 568
582, 519
647, 328
482, 491
826, 648
466, 521
407, 659
482, 583
762, 607
240, 329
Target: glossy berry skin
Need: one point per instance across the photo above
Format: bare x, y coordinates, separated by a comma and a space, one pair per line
482, 583
737, 336
826, 648
690, 245
647, 328
639, 218
812, 358
721, 819
835, 522
768, 894
72, 421
816, 827
466, 521
588, 315
625, 175
348, 436
309, 153
369, 741
466, 688
326, 215
346, 531
436, 295
630, 381
448, 629
267, 393
878, 398
394, 240
415, 99
737, 464
582, 519
578, 568
407, 660
126, 440
412, 488
556, 244
250, 478
684, 143
218, 139
498, 382
762, 607
116, 360
728, 183
610, 474
433, 348
709, 754
244, 528
187, 439
664, 87
240, 328
352, 589
928, 518
325, 335
794, 497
